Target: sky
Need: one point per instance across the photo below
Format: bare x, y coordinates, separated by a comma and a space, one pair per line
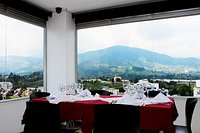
176, 37
21, 38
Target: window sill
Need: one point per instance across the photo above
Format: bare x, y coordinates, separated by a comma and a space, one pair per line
14, 99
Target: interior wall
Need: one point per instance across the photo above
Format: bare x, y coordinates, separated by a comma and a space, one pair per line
11, 113
60, 50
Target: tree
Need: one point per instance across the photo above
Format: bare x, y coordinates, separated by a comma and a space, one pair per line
185, 90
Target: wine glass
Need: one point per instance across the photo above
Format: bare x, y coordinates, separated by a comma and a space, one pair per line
61, 88
140, 90
71, 88
125, 87
79, 88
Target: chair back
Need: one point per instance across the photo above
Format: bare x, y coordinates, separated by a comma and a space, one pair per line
100, 92
41, 116
116, 118
38, 95
189, 109
153, 93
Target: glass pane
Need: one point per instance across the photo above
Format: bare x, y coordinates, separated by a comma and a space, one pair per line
164, 53
22, 58
2, 43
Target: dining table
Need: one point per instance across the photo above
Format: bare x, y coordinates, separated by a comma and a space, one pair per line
153, 117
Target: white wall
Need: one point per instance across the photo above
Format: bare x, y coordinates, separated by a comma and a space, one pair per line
60, 50
11, 113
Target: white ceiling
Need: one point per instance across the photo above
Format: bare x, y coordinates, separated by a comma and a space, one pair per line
74, 6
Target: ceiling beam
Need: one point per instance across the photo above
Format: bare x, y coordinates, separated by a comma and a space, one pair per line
133, 10
28, 8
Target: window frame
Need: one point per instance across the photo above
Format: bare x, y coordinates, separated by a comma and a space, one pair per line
137, 18
44, 53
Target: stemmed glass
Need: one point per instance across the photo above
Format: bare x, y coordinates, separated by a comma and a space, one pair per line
125, 87
67, 89
129, 89
79, 88
71, 88
141, 89
61, 88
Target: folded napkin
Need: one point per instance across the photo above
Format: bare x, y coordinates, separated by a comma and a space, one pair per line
160, 98
85, 93
61, 97
97, 95
132, 100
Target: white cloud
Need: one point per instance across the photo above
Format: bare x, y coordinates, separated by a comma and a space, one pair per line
177, 37
22, 39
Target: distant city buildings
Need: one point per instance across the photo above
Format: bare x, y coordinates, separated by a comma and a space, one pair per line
8, 92
120, 84
150, 86
197, 88
6, 85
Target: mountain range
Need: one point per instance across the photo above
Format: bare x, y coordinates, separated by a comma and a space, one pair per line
20, 65
121, 59
128, 62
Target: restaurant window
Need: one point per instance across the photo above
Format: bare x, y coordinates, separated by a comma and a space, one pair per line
21, 58
163, 52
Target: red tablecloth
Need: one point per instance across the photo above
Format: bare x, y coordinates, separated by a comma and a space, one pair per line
152, 117
158, 117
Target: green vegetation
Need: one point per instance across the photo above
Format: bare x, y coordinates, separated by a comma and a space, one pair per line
132, 63
177, 88
129, 73
174, 88
33, 80
95, 85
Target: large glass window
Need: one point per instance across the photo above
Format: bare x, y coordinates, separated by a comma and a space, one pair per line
164, 52
21, 58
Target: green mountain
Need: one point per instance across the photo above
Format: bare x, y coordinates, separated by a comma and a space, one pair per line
123, 60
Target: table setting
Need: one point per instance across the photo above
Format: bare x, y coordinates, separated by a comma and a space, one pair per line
133, 95
70, 93
77, 103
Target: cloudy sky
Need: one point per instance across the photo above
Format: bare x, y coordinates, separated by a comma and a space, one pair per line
177, 37
22, 39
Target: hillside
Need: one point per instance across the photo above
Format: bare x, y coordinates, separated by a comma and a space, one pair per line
21, 65
121, 59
